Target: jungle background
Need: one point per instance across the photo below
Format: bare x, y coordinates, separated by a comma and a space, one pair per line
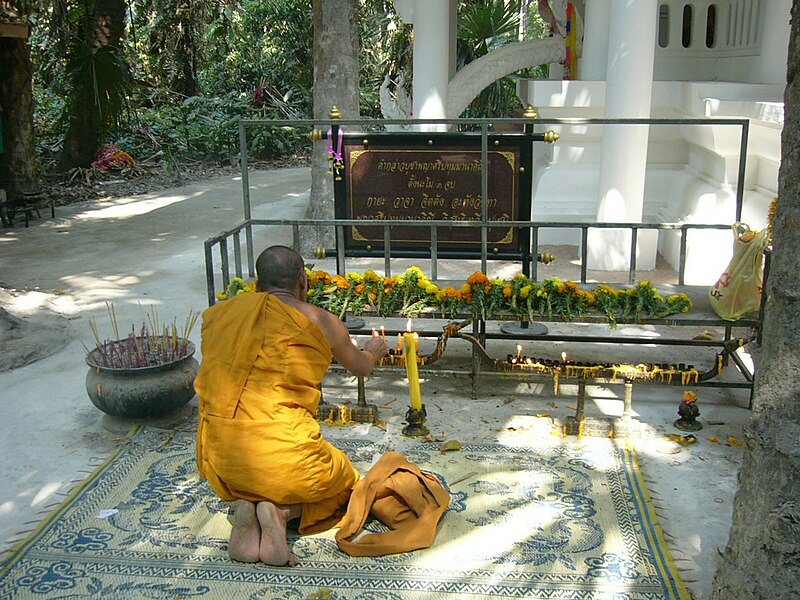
166, 81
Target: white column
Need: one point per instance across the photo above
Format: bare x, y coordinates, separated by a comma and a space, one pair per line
596, 26
431, 60
629, 84
774, 31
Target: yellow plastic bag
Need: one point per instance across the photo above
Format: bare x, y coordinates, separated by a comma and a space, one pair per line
737, 292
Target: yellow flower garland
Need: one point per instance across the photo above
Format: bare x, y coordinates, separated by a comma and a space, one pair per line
481, 297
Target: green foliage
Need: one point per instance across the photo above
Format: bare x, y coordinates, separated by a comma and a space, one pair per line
385, 51
231, 48
208, 128
483, 27
481, 297
204, 128
77, 62
264, 45
49, 130
107, 72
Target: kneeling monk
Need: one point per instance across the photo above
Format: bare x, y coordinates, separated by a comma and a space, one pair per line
258, 442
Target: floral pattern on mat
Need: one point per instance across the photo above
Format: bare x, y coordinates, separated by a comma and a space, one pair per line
550, 522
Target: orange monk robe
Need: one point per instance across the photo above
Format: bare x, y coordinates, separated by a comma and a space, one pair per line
258, 438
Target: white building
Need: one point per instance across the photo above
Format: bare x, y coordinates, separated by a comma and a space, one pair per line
661, 59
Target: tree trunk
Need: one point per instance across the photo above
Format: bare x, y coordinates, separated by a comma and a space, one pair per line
336, 48
17, 161
86, 119
762, 559
185, 81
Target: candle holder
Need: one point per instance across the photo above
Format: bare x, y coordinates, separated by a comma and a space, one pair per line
688, 412
363, 412
416, 423
325, 411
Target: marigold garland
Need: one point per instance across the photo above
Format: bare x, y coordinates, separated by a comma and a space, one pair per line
410, 293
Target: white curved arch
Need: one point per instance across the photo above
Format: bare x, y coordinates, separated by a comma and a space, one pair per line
473, 78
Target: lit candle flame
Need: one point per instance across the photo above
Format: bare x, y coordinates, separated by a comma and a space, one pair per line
563, 357
383, 333
519, 350
408, 326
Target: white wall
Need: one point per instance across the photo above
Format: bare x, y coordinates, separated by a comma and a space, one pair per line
691, 171
747, 36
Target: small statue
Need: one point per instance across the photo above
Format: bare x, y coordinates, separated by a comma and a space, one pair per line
689, 412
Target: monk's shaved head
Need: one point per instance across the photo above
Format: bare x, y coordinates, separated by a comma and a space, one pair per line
278, 267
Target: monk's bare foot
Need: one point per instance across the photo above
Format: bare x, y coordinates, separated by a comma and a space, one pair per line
246, 533
274, 549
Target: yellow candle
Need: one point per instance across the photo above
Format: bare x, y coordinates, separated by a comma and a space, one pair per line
410, 341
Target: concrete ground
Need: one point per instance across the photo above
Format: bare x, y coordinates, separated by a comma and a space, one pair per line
148, 251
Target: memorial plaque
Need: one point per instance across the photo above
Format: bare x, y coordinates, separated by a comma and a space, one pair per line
416, 182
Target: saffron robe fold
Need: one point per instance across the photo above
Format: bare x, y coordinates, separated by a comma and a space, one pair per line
398, 493
258, 384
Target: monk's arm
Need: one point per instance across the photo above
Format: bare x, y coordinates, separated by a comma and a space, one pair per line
358, 362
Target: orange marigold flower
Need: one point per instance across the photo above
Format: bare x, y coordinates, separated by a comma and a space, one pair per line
478, 278
319, 275
448, 292
359, 289
507, 291
340, 282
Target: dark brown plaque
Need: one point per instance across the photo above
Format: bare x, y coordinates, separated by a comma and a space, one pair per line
443, 183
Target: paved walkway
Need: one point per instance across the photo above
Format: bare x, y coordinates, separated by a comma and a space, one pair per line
148, 250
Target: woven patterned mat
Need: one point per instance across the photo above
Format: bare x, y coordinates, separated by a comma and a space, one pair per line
549, 522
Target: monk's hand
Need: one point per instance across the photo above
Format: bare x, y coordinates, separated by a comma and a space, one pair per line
377, 346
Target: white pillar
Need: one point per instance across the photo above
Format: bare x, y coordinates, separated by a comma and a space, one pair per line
432, 54
774, 31
629, 84
596, 26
